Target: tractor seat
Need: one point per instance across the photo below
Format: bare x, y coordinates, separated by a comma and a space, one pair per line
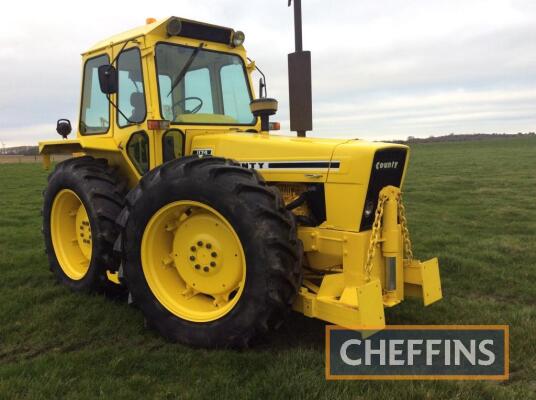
137, 101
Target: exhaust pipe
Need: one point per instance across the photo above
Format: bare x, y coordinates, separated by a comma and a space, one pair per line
299, 80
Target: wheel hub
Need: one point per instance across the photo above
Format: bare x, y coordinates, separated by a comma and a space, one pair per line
207, 261
204, 258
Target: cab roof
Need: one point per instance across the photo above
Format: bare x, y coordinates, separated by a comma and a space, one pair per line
143, 30
130, 34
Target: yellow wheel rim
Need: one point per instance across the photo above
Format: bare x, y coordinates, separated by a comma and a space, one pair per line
193, 261
71, 234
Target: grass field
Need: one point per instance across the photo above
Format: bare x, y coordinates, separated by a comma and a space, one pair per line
473, 204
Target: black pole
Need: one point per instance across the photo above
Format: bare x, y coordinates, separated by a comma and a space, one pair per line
298, 38
298, 26
299, 70
265, 123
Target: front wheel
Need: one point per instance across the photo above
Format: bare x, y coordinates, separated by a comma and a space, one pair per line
210, 254
81, 202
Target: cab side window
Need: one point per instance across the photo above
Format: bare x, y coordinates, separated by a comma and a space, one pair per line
138, 151
131, 94
164, 83
172, 145
235, 93
95, 109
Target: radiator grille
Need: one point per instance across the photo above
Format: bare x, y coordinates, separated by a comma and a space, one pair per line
386, 169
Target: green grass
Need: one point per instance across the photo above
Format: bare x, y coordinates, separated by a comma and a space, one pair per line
473, 204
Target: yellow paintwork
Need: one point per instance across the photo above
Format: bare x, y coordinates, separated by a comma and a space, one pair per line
113, 277
46, 161
68, 146
189, 248
139, 32
212, 118
71, 234
345, 296
423, 280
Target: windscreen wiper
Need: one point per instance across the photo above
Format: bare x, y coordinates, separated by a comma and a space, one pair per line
186, 67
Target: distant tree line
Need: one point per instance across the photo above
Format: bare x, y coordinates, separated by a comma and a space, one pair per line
20, 151
461, 138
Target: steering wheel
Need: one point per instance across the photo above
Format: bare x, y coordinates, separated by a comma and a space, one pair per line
184, 100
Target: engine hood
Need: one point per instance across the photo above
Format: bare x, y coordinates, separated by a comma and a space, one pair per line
360, 160
277, 158
294, 159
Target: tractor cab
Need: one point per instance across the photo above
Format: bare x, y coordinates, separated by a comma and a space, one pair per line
147, 92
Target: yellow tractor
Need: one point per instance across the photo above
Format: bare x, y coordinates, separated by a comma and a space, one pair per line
178, 194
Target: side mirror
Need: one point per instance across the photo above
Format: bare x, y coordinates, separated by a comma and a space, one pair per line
108, 79
63, 127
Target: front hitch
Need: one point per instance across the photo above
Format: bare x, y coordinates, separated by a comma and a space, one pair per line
377, 269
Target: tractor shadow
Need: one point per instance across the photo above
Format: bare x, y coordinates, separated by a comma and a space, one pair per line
297, 331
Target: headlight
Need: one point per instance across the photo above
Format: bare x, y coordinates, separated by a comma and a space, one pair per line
369, 208
174, 27
238, 38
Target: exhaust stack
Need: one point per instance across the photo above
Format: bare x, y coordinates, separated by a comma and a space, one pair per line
299, 80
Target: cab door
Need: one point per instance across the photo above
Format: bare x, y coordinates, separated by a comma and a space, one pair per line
136, 141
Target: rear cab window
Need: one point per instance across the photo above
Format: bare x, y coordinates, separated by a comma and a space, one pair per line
95, 109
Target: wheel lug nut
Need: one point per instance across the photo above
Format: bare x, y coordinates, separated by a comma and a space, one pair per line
200, 243
212, 264
209, 246
193, 248
205, 269
197, 266
192, 258
214, 254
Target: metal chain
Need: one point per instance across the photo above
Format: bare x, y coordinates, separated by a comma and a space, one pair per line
374, 236
405, 231
376, 229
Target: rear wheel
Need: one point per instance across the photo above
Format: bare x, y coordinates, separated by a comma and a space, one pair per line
204, 263
210, 254
71, 234
81, 201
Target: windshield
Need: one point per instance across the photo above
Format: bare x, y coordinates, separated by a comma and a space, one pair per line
202, 87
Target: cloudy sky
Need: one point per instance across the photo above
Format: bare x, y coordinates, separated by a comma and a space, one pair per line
382, 69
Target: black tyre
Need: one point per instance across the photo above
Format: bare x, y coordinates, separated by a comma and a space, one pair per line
265, 230
81, 202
